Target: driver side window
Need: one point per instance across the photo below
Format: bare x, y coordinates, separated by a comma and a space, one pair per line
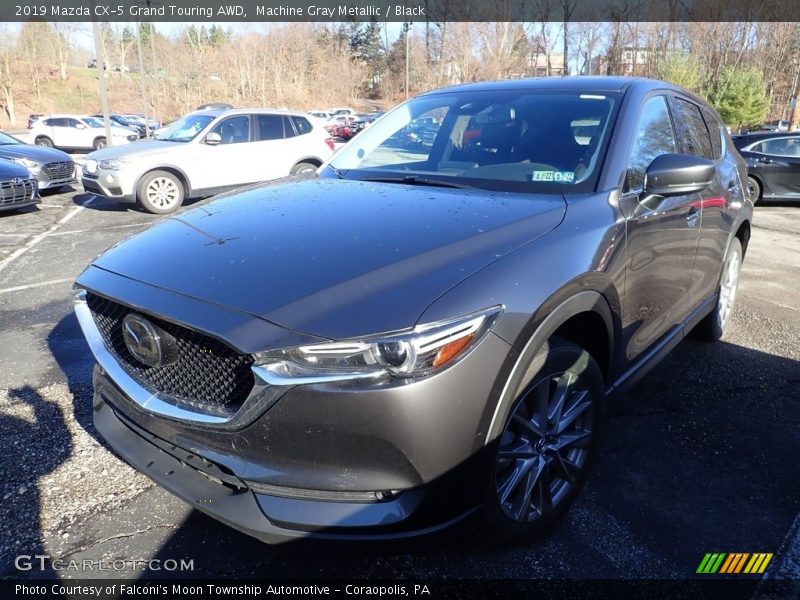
234, 130
654, 137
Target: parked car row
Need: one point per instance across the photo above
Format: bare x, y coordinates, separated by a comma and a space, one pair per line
346, 125
772, 157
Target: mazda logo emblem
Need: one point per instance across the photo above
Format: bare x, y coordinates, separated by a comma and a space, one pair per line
16, 181
142, 339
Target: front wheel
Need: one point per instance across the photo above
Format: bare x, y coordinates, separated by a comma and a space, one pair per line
100, 143
160, 192
303, 167
543, 454
712, 327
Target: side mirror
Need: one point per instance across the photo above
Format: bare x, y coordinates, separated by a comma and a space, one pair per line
676, 174
80, 126
213, 139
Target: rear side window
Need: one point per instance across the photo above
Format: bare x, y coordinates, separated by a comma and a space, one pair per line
654, 137
302, 125
779, 147
692, 129
715, 132
270, 127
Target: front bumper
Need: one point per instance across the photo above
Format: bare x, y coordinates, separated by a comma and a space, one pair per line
272, 518
111, 184
345, 459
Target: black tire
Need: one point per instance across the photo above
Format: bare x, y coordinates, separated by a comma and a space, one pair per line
100, 143
533, 478
303, 167
43, 141
160, 192
754, 189
713, 325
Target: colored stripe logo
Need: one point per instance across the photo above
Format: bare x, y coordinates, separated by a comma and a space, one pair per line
733, 563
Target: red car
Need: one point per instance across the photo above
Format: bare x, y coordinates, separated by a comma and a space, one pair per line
339, 126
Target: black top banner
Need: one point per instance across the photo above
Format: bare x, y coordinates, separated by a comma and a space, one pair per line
244, 11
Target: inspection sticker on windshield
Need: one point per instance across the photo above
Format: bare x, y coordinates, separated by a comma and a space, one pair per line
566, 176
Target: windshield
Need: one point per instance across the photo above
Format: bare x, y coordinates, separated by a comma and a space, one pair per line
512, 140
186, 129
6, 139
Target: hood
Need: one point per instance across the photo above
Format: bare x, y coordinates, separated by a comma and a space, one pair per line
10, 169
333, 258
140, 148
120, 130
38, 153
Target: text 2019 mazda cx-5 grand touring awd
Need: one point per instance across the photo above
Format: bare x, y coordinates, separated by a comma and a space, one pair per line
417, 337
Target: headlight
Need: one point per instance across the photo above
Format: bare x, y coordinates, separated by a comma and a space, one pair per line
90, 166
25, 162
423, 351
114, 164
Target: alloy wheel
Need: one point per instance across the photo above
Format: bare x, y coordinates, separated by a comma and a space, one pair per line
163, 193
544, 447
727, 288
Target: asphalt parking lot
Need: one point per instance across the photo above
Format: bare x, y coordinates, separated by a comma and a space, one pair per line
702, 456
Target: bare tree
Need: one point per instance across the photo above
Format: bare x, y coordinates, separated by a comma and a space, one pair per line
7, 57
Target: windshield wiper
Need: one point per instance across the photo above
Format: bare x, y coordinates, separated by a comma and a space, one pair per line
416, 180
339, 174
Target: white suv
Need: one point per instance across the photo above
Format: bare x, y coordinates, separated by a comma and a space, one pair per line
207, 152
74, 132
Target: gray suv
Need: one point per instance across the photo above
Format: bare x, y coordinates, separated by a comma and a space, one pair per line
419, 337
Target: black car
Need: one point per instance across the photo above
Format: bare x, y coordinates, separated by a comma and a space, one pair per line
773, 164
125, 122
18, 187
364, 121
409, 340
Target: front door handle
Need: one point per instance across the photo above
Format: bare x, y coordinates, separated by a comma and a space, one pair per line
692, 216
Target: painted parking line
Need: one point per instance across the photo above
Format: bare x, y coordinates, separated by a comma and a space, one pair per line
95, 229
6, 262
21, 288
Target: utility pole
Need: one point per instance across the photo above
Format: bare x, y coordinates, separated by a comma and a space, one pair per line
154, 87
141, 76
406, 27
101, 76
794, 115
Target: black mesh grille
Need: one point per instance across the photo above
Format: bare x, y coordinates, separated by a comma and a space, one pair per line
206, 374
17, 191
60, 171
